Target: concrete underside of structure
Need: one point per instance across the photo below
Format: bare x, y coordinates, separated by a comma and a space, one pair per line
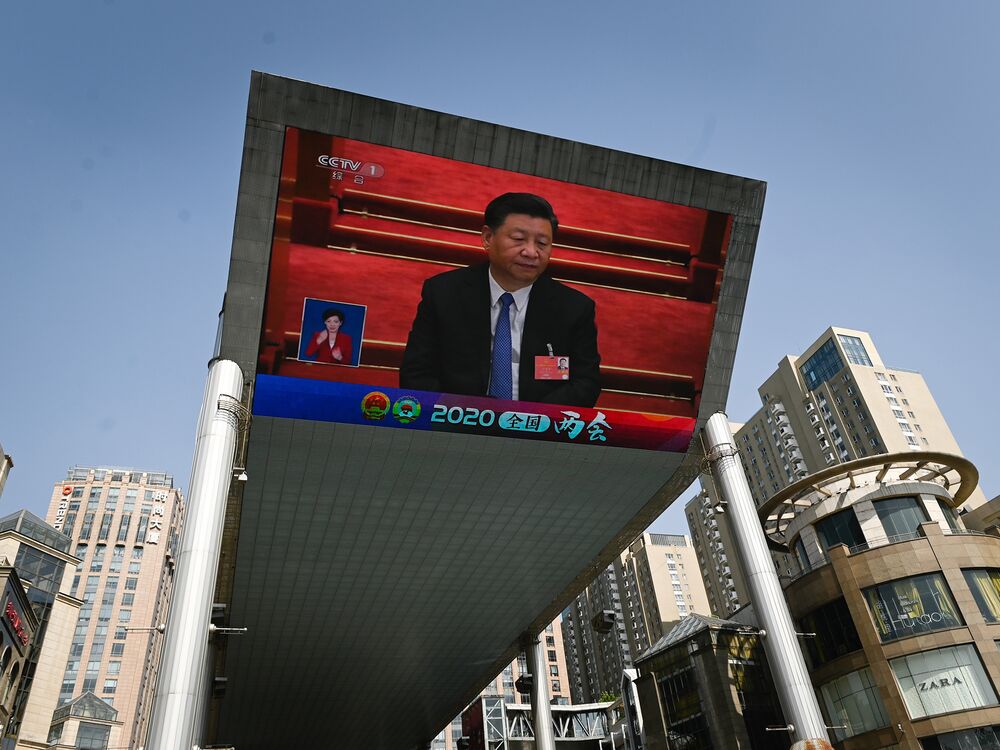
385, 576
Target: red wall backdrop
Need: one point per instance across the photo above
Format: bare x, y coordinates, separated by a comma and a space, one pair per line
371, 233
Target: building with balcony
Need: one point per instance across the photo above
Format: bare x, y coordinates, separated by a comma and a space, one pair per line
123, 525
633, 603
836, 402
899, 601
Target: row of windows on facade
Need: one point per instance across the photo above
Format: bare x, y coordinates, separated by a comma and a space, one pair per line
96, 653
96, 564
88, 736
111, 497
826, 361
898, 609
149, 528
862, 416
930, 683
130, 476
105, 613
900, 518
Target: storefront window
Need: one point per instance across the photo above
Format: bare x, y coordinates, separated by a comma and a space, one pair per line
853, 704
840, 528
981, 738
900, 516
834, 629
908, 606
985, 586
943, 680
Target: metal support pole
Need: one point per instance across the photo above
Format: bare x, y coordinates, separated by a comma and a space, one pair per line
541, 709
181, 691
795, 692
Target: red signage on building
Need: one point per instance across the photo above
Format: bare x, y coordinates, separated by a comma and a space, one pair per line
15, 622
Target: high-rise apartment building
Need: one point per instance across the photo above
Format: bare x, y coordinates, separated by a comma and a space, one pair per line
652, 584
41, 556
836, 402
123, 526
504, 685
713, 543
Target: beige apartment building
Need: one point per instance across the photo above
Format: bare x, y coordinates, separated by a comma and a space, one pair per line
41, 556
504, 685
836, 402
123, 525
652, 585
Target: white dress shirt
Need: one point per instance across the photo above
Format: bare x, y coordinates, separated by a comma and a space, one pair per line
517, 313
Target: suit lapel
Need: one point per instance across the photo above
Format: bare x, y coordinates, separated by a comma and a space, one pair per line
532, 342
476, 303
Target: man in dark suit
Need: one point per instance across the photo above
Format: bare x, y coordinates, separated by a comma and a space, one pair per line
499, 328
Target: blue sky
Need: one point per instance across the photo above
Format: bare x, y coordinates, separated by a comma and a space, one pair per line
121, 127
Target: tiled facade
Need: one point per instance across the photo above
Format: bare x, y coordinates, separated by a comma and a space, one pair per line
900, 599
123, 524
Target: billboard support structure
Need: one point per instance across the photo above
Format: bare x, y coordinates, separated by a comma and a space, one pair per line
788, 669
541, 708
372, 200
179, 702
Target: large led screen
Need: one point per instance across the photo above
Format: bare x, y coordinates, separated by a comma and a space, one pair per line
382, 303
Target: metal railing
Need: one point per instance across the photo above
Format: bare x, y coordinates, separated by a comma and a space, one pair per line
875, 544
967, 532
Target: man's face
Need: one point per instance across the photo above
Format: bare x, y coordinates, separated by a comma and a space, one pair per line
518, 250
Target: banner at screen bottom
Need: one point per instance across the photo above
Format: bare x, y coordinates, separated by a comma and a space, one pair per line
351, 403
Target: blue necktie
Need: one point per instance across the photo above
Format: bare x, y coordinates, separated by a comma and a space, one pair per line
501, 375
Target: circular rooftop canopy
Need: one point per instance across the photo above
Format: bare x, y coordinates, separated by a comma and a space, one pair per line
955, 474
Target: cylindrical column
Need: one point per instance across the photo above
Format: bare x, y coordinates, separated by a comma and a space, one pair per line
788, 668
541, 709
178, 703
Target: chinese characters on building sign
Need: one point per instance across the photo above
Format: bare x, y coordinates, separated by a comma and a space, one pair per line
156, 518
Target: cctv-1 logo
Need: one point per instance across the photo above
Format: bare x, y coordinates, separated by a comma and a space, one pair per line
366, 169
